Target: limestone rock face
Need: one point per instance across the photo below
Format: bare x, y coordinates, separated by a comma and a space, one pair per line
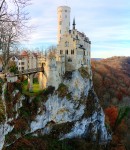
74, 102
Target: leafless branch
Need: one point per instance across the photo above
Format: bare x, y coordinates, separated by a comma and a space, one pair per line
12, 26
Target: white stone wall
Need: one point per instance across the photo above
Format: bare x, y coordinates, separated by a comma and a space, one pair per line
23, 64
28, 62
75, 47
51, 69
64, 48
41, 61
63, 21
32, 62
52, 74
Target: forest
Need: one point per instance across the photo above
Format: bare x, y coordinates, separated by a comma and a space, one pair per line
111, 78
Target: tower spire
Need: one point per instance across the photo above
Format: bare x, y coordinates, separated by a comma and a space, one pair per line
74, 23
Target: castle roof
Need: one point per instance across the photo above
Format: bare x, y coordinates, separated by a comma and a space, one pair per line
24, 53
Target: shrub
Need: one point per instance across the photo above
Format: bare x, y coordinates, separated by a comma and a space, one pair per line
62, 90
61, 129
2, 111
48, 91
20, 126
84, 72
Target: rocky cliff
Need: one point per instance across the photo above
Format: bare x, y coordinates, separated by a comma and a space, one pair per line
73, 110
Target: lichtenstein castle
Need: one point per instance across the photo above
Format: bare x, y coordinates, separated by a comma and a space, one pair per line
73, 51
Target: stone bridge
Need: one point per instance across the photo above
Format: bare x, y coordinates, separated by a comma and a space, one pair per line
29, 73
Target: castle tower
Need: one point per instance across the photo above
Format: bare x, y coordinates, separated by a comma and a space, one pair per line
63, 21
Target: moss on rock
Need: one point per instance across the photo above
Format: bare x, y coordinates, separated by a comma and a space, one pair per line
61, 129
64, 91
84, 72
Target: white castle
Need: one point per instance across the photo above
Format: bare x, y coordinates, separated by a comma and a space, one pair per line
73, 51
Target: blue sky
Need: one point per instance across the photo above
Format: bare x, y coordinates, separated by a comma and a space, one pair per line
106, 23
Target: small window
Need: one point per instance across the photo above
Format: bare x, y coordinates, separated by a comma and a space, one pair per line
60, 23
22, 68
60, 31
65, 10
84, 53
67, 52
61, 52
69, 60
22, 63
72, 52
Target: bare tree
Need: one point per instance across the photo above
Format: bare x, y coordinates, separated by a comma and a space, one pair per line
12, 26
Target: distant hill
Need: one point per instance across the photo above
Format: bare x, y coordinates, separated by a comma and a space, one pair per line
111, 78
96, 58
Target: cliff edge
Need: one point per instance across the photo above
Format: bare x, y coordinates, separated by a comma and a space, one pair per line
71, 111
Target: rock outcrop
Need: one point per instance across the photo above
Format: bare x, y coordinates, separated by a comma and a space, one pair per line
74, 103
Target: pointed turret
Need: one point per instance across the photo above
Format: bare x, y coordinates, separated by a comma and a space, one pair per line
74, 24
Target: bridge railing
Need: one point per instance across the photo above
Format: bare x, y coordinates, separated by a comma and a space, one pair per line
28, 71
31, 70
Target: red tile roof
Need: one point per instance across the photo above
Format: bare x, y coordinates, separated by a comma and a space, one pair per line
24, 53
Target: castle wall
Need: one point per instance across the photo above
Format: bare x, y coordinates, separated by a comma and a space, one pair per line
32, 62
63, 21
64, 49
52, 74
76, 50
